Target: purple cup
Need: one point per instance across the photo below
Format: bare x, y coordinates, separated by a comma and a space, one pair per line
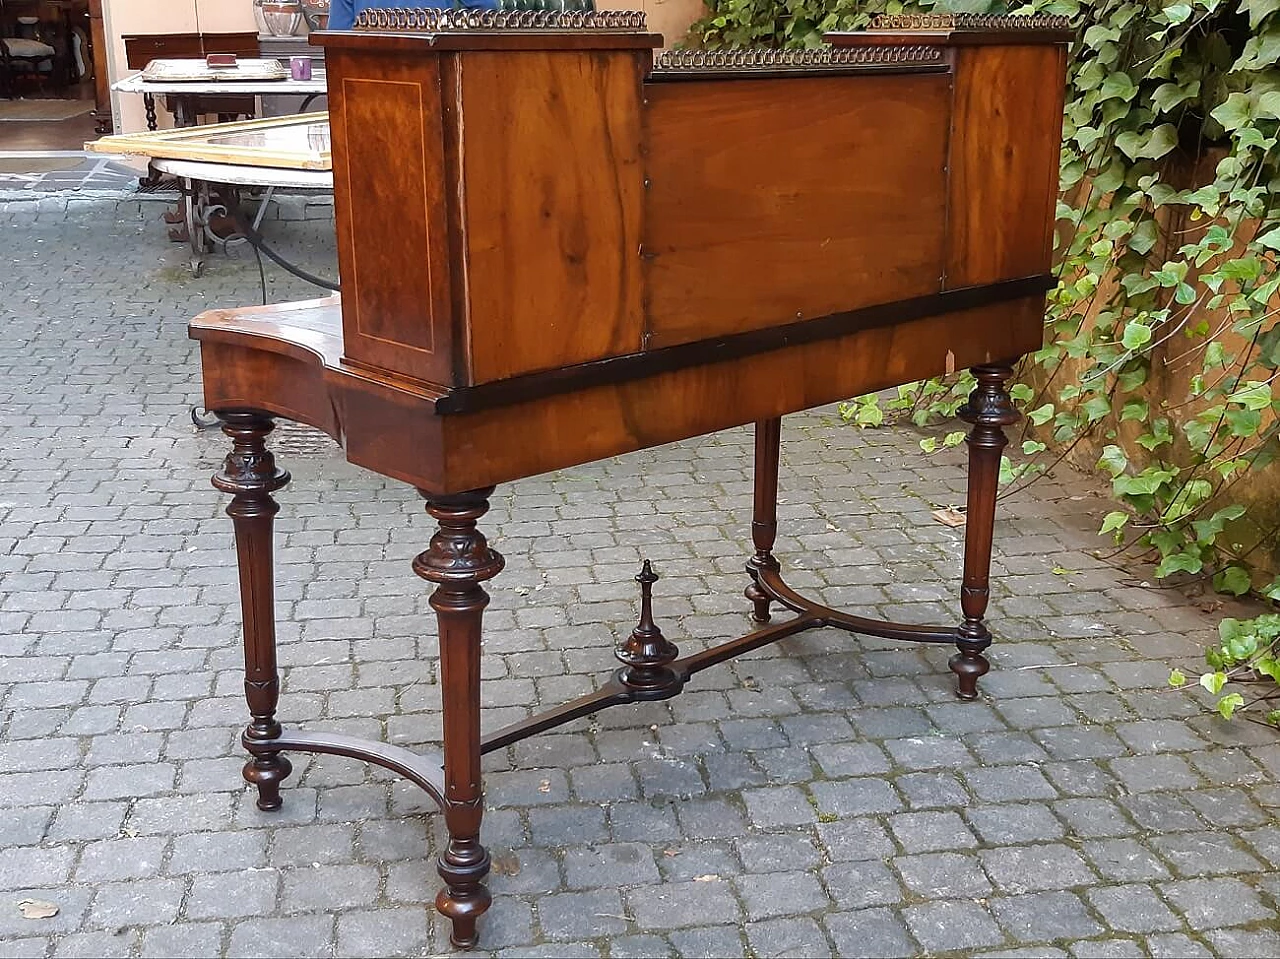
300, 68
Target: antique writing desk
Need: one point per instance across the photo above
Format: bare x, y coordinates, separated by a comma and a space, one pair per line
553, 250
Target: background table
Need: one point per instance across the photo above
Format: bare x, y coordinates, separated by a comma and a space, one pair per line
198, 179
181, 96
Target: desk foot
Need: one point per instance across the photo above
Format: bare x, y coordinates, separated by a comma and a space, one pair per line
458, 562
249, 472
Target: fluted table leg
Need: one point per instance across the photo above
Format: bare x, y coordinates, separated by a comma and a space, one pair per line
458, 561
249, 472
989, 409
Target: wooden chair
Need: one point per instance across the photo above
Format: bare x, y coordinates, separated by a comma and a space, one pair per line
25, 56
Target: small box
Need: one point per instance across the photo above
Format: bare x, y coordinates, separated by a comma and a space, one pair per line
220, 60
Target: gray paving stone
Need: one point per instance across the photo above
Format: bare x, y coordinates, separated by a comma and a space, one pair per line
708, 942
1203, 854
675, 905
951, 926
788, 937
1015, 823
401, 931
818, 761
136, 903
1020, 869
869, 932
1133, 909
856, 885
609, 864
1107, 948
1124, 860
1211, 903
1052, 916
1176, 946
194, 939
582, 915
931, 831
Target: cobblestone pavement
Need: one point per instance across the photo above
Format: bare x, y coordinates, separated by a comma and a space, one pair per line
826, 796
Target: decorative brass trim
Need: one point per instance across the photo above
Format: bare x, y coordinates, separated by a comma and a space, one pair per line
969, 21
766, 60
460, 21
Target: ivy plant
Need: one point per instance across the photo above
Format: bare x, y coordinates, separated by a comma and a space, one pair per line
1162, 348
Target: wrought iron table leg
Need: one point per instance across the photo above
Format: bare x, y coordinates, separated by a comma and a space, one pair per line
249, 472
989, 409
458, 561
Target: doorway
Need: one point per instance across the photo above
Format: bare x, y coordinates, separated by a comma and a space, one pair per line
47, 67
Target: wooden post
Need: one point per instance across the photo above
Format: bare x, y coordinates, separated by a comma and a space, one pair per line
458, 561
249, 472
989, 409
764, 517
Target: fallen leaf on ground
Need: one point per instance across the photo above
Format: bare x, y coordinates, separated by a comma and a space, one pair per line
949, 516
37, 909
506, 864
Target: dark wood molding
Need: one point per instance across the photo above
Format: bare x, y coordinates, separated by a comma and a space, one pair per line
532, 386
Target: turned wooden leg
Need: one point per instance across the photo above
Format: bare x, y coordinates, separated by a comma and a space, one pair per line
249, 472
989, 409
764, 517
458, 561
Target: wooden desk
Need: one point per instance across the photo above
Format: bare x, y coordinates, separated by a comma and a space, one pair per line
553, 251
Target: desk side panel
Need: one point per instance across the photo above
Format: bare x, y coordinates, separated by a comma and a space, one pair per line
553, 196
1005, 141
389, 206
781, 199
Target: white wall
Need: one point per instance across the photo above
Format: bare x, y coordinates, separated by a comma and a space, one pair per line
121, 17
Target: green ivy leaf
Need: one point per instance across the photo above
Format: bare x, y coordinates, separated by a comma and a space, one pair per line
1041, 414
1118, 85
1254, 396
1234, 112
1234, 580
1259, 10
1136, 335
1184, 562
1177, 678
1229, 703
1114, 520
1213, 682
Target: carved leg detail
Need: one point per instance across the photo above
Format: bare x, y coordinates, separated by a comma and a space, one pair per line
989, 409
249, 472
764, 517
458, 561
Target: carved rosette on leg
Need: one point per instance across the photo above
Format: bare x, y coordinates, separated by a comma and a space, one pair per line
990, 410
458, 561
764, 517
250, 474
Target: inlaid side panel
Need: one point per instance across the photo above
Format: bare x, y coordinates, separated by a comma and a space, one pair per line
550, 149
389, 205
1005, 140
776, 200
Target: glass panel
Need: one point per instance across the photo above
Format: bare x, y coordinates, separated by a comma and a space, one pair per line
295, 138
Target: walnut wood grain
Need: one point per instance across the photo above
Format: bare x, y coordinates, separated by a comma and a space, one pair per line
771, 201
1003, 183
395, 267
553, 191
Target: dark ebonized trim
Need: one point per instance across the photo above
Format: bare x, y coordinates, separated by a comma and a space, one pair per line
633, 366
